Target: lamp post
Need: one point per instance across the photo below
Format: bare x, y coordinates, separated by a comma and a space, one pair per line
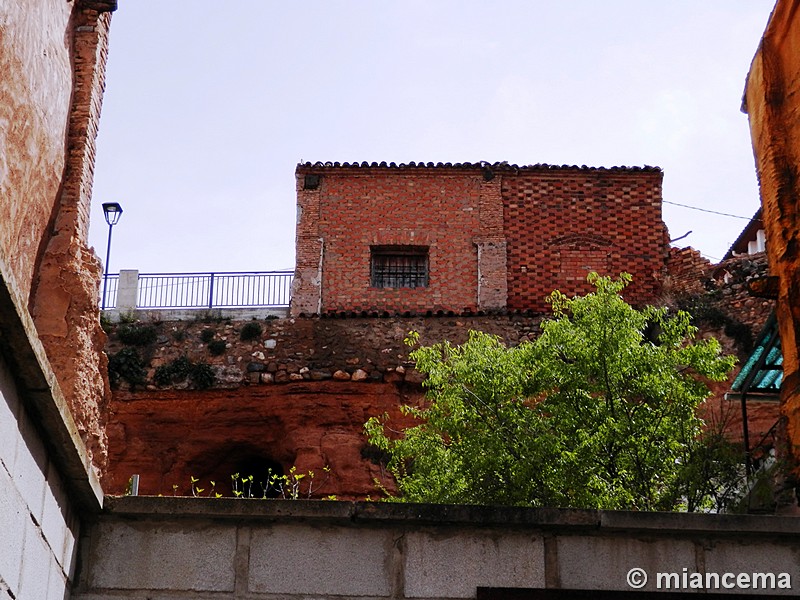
112, 212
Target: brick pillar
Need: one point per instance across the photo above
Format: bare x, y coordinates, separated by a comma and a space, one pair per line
491, 243
307, 284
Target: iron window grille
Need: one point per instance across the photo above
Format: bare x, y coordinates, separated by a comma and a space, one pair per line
399, 266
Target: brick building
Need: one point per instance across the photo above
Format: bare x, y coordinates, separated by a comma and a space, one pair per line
470, 237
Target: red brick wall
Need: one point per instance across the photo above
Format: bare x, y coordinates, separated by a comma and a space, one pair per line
562, 223
688, 271
360, 208
538, 229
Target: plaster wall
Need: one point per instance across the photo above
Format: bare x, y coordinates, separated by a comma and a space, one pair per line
35, 53
163, 548
772, 102
52, 57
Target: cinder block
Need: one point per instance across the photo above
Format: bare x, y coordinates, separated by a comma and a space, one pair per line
453, 566
14, 518
9, 409
56, 583
36, 565
300, 559
59, 526
736, 557
156, 556
588, 562
30, 466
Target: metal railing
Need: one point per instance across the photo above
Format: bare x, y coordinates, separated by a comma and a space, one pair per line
111, 290
209, 290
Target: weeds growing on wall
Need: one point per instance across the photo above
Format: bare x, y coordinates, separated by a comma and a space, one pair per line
217, 347
136, 334
250, 331
201, 375
126, 365
292, 486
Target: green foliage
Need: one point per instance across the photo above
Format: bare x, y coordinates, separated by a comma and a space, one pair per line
200, 374
136, 334
250, 331
207, 335
598, 412
217, 347
126, 365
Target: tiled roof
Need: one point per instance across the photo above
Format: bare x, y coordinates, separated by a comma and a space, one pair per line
748, 234
763, 371
496, 166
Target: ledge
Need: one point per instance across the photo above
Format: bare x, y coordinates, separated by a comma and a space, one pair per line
41, 395
564, 520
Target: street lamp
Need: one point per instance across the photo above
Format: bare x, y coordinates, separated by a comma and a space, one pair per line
112, 212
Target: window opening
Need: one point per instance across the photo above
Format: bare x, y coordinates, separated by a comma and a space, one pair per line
399, 266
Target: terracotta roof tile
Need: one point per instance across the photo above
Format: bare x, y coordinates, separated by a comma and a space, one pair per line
496, 166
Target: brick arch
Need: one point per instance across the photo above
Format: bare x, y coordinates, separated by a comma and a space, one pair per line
581, 240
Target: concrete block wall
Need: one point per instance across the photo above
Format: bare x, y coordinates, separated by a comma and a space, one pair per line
40, 527
161, 548
46, 480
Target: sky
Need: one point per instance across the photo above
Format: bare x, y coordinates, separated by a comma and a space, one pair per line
209, 106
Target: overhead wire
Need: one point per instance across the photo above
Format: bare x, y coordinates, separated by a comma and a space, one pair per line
713, 212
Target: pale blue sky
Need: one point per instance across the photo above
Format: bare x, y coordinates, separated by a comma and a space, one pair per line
209, 106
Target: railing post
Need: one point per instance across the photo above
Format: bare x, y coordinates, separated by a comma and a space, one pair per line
127, 290
211, 292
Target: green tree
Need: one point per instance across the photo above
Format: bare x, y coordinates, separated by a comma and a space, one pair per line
598, 412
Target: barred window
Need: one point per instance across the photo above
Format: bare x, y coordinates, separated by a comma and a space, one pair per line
399, 266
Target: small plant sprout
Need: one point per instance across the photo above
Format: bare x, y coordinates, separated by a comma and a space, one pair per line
235, 485
292, 486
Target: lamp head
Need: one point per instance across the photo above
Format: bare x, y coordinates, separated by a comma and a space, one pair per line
112, 212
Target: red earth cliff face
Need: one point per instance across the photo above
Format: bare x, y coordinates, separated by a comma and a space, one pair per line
772, 101
168, 436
